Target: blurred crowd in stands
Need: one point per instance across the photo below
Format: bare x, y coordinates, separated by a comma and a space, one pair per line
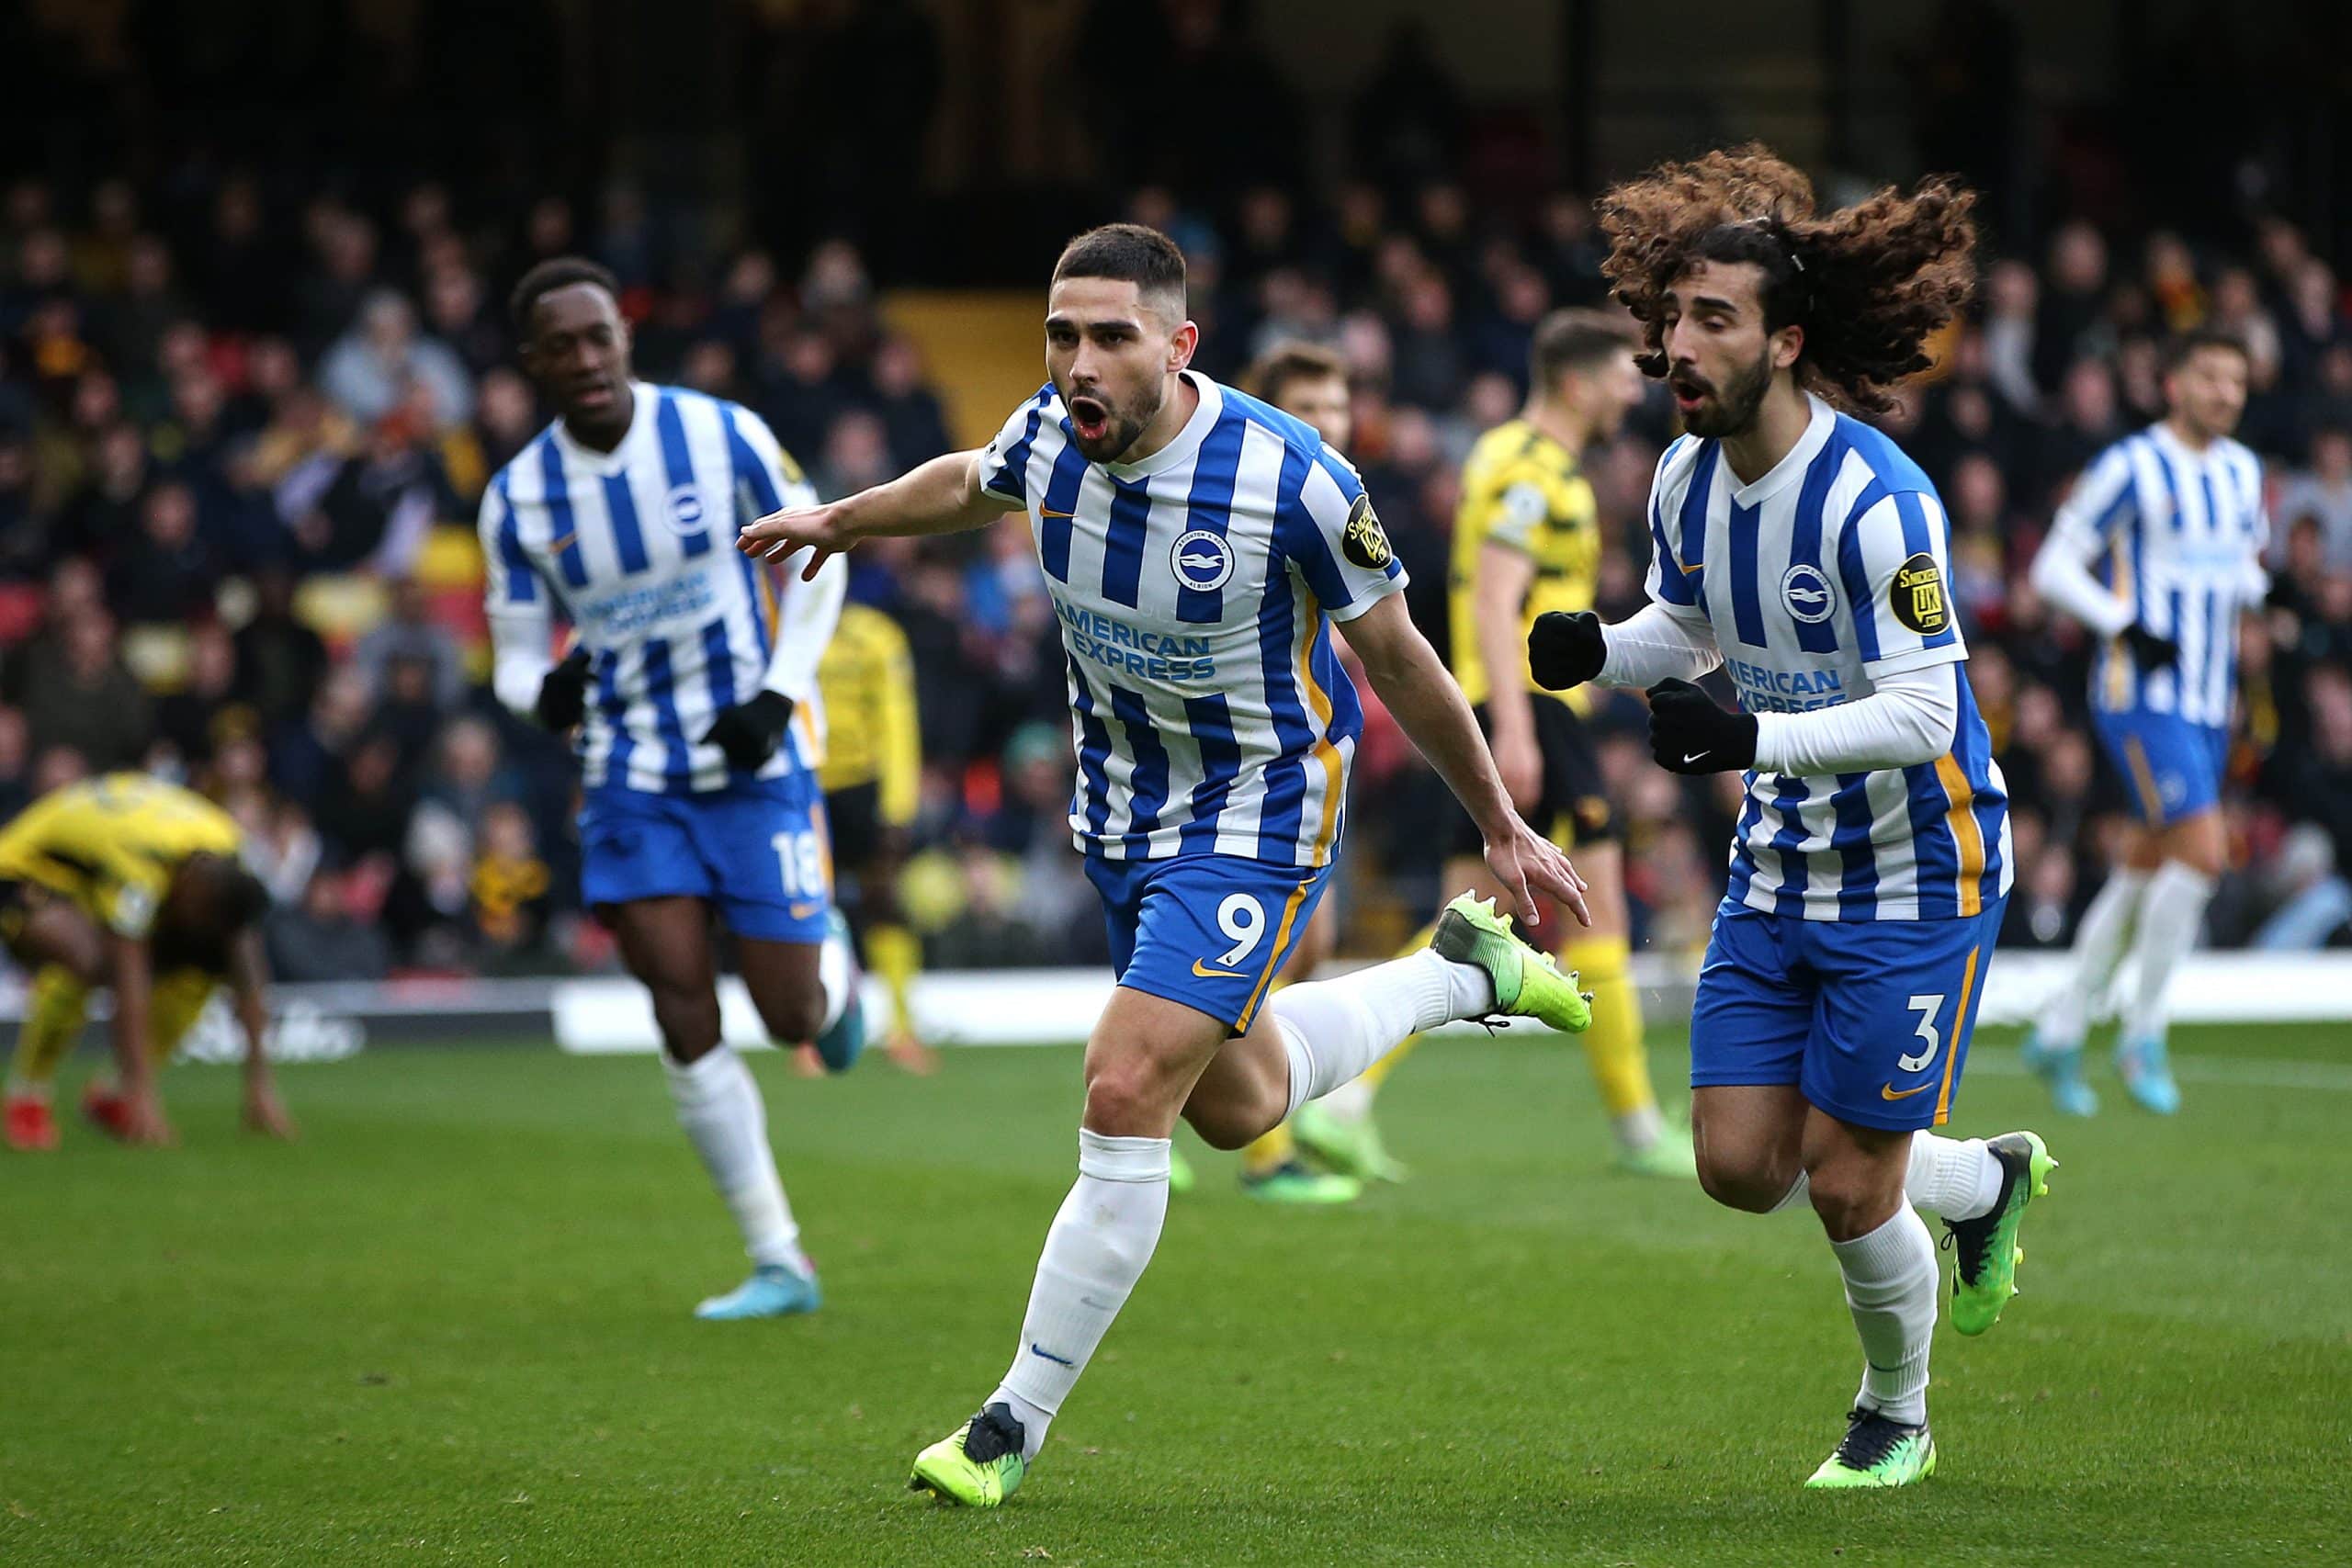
243, 433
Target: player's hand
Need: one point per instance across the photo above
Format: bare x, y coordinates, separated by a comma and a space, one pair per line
749, 732
563, 693
1525, 863
1564, 650
264, 1113
2149, 651
1520, 764
823, 529
144, 1123
1690, 734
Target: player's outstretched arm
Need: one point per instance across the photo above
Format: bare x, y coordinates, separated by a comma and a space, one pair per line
248, 982
1404, 669
943, 496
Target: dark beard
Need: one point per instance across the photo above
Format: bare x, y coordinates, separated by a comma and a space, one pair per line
1121, 429
1736, 404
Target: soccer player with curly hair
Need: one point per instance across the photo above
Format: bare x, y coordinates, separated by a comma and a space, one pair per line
1800, 550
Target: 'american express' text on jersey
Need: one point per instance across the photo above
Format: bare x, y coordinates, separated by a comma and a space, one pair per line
1828, 571
1195, 590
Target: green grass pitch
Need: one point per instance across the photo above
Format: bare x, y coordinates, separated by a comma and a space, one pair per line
452, 1324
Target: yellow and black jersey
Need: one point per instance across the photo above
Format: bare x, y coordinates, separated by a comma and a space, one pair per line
1523, 490
867, 677
109, 846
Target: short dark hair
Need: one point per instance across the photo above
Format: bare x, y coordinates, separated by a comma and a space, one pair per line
1292, 360
556, 272
2181, 347
1128, 252
1576, 340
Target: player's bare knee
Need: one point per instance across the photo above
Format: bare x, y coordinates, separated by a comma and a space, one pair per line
1230, 1121
1852, 1199
1747, 1184
794, 1017
688, 1022
1129, 1098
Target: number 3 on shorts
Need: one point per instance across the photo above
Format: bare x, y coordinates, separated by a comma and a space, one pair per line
1243, 919
803, 859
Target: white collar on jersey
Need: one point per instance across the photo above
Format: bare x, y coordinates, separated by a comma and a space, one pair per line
1195, 431
643, 397
1800, 457
2163, 434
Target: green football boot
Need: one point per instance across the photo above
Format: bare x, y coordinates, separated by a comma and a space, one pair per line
978, 1465
1984, 1251
1295, 1182
1179, 1172
1876, 1452
1528, 983
1670, 1155
1349, 1145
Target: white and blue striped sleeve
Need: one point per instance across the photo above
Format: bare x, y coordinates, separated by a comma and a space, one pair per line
1672, 585
1334, 537
519, 605
1894, 564
2104, 499
1004, 462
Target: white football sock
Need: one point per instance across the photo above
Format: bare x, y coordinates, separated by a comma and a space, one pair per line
1953, 1178
1637, 1129
2099, 945
837, 977
1334, 1029
2171, 916
1890, 1289
719, 1106
1800, 1192
1094, 1254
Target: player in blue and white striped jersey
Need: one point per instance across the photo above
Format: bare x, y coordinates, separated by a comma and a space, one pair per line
692, 681
1803, 553
2158, 550
1197, 544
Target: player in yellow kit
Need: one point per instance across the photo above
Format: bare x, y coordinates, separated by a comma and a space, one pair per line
134, 884
1527, 539
872, 777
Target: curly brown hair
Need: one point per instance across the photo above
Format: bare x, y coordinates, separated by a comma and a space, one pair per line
1870, 283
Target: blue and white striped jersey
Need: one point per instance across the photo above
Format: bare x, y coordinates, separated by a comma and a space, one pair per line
2177, 535
1195, 590
636, 549
1825, 573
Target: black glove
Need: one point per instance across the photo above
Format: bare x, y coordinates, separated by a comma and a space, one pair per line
563, 695
1688, 734
2149, 651
749, 732
1564, 650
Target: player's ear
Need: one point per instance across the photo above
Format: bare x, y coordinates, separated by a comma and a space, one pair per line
1787, 345
1181, 345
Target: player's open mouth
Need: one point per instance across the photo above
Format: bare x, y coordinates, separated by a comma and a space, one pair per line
1089, 418
1687, 395
595, 395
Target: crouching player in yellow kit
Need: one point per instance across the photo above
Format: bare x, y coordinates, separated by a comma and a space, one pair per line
1527, 540
872, 776
131, 884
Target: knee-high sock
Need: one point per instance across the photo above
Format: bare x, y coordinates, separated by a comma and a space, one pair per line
1372, 1076
1890, 1289
1334, 1029
179, 999
896, 955
836, 976
2099, 945
719, 1106
1613, 1045
2171, 914
1952, 1179
53, 1016
1094, 1254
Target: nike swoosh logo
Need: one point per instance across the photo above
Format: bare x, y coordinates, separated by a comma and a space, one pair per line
1049, 512
802, 911
558, 546
1888, 1091
1692, 758
1037, 1349
1208, 973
